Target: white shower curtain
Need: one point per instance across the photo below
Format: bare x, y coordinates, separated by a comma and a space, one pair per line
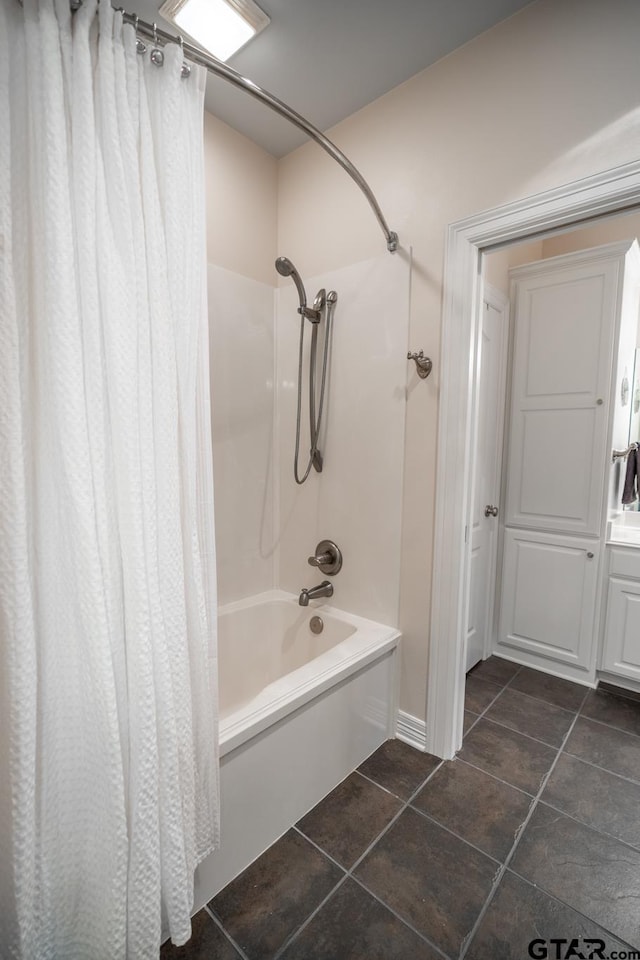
108, 767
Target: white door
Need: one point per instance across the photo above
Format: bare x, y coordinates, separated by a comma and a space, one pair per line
491, 374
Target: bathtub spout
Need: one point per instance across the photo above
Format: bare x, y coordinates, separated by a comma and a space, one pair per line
325, 589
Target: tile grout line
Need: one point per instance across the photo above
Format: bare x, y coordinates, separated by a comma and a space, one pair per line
387, 827
529, 696
597, 766
404, 805
348, 876
603, 723
520, 667
319, 849
489, 705
402, 920
225, 933
483, 715
457, 836
589, 826
379, 785
533, 798
501, 872
349, 873
532, 696
563, 750
494, 776
464, 733
543, 743
557, 899
294, 935
547, 703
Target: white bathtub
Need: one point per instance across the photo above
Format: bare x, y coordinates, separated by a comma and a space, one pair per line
298, 712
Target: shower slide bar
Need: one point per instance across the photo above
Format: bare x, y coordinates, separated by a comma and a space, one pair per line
220, 69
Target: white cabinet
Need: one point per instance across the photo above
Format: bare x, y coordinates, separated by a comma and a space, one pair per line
621, 647
549, 599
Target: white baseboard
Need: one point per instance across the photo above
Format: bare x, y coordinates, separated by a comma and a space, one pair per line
411, 730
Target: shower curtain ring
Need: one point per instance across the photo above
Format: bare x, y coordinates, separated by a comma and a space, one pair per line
186, 69
141, 47
157, 56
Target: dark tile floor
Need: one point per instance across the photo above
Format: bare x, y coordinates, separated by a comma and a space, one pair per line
532, 832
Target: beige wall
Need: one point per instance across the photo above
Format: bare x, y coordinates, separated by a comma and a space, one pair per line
496, 265
549, 96
608, 230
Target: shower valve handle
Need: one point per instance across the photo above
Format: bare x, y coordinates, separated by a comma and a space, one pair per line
328, 558
320, 559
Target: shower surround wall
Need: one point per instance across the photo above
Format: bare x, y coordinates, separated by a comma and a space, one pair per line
241, 325
241, 248
266, 525
357, 499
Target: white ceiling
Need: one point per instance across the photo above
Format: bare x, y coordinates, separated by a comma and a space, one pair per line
328, 58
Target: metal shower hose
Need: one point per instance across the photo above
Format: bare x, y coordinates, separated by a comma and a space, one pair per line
314, 424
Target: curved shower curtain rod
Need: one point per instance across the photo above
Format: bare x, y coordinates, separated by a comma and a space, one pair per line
152, 32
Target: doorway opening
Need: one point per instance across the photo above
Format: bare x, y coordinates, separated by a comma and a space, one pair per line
581, 204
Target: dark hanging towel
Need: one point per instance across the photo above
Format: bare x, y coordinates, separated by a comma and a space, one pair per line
630, 492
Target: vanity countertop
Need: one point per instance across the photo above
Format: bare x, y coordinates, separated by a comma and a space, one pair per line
624, 530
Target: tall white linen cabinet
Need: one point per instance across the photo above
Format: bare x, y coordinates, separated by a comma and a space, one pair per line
573, 339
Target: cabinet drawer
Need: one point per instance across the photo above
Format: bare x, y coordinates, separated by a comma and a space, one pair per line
624, 562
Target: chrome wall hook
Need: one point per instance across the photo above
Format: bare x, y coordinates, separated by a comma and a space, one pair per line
424, 365
156, 56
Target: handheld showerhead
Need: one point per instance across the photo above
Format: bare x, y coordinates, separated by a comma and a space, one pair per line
286, 269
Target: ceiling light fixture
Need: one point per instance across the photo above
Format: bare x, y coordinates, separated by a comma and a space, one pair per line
220, 26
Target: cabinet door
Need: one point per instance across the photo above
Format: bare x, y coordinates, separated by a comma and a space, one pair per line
621, 649
564, 329
549, 591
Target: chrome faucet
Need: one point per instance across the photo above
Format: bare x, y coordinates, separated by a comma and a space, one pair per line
325, 589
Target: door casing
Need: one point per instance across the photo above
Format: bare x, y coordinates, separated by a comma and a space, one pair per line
610, 192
